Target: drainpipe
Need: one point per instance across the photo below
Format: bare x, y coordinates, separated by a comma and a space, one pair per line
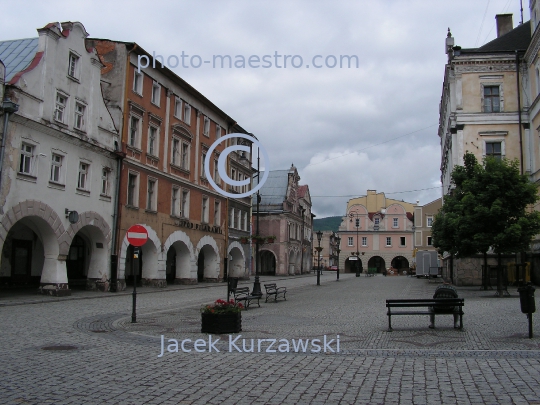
519, 114
9, 107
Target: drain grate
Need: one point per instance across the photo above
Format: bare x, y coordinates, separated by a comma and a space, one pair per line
60, 347
99, 331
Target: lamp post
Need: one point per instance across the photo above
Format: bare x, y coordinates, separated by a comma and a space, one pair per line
338, 241
319, 248
257, 284
302, 211
356, 217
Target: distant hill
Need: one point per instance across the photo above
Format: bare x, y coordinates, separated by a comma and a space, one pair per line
326, 224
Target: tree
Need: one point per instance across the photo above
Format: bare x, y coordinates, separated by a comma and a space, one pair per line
487, 208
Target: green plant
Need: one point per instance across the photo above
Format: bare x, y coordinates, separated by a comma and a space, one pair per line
222, 307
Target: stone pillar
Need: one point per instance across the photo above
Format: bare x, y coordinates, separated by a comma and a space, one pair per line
54, 279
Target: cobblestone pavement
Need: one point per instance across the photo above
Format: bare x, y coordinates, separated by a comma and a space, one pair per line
85, 350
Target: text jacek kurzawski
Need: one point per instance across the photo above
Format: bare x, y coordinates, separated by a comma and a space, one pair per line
242, 345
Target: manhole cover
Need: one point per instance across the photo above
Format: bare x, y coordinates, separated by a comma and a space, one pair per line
59, 348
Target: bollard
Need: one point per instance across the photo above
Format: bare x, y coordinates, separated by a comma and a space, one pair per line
528, 304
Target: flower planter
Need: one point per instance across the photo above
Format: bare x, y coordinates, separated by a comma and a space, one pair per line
221, 323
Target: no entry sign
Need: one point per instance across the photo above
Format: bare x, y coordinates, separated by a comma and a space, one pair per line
137, 235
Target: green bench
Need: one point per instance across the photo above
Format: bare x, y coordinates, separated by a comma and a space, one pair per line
371, 271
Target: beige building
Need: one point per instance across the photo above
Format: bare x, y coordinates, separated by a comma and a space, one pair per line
379, 231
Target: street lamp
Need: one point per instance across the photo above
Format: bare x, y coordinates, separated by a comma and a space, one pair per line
356, 217
338, 241
319, 248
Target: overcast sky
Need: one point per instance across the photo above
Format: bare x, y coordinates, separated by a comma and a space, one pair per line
347, 130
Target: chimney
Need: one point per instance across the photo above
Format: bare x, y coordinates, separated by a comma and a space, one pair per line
504, 24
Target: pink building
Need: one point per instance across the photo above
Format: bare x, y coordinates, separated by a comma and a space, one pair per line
284, 212
377, 230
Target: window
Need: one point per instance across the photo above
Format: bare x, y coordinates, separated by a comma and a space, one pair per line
151, 195
206, 127
491, 99
402, 241
388, 241
133, 192
134, 126
217, 211
175, 151
204, 218
152, 141
238, 219
73, 65
177, 107
187, 113
245, 221
216, 172
395, 222
494, 149
137, 83
430, 221
185, 156
27, 159
218, 132
364, 240
105, 181
156, 92
350, 241
377, 220
175, 202
61, 102
429, 241
231, 218
82, 182
203, 173
56, 168
185, 204
79, 116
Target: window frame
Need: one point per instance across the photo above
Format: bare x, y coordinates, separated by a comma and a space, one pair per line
395, 222
78, 115
63, 110
138, 130
178, 108
364, 241
73, 65
132, 197
204, 209
28, 156
429, 221
187, 113
59, 166
206, 126
151, 194
184, 203
217, 213
388, 241
155, 95
175, 201
350, 241
402, 241
83, 176
153, 147
138, 79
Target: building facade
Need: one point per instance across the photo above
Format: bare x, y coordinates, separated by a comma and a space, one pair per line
377, 230
284, 212
167, 130
59, 164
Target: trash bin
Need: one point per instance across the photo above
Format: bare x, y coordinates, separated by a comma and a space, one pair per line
526, 299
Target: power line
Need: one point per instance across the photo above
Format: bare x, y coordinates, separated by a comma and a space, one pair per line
371, 146
481, 25
356, 195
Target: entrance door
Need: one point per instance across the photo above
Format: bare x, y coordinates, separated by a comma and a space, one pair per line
21, 261
76, 260
200, 267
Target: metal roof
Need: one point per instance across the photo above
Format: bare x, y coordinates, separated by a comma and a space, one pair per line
274, 190
17, 54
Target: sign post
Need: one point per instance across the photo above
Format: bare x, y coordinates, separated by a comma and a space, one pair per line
136, 236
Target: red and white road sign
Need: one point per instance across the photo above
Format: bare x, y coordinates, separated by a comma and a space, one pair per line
137, 235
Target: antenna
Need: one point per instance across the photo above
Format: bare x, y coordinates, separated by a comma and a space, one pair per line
521, 4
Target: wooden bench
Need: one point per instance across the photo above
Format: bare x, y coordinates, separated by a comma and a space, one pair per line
242, 294
433, 306
273, 289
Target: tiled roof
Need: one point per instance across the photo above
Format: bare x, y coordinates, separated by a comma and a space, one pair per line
17, 54
302, 190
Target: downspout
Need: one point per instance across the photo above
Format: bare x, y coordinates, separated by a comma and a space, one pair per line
519, 114
120, 158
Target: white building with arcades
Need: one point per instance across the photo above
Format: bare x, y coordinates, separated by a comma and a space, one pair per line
59, 157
